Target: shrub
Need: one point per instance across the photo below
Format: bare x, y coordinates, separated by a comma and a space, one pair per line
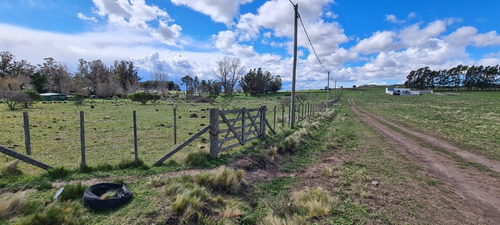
33, 97
142, 97
78, 99
11, 204
13, 98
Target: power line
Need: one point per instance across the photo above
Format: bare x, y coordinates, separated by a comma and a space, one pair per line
310, 42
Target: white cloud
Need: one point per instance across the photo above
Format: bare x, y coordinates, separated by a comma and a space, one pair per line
137, 15
468, 35
412, 15
379, 41
393, 19
219, 10
226, 41
85, 18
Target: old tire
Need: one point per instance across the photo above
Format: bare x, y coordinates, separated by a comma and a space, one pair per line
92, 196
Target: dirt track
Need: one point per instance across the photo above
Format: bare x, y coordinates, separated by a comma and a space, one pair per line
480, 191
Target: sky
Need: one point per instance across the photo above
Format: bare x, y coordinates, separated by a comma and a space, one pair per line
359, 41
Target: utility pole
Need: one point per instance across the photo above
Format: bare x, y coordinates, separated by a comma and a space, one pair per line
328, 88
294, 74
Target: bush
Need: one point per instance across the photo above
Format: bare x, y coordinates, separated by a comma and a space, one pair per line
78, 99
142, 97
13, 98
33, 96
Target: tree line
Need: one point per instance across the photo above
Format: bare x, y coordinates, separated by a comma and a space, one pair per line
92, 77
470, 78
95, 79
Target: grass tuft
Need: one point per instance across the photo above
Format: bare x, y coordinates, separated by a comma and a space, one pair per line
59, 213
197, 160
12, 204
58, 172
312, 203
11, 168
72, 192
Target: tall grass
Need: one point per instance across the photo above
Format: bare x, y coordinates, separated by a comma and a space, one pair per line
12, 204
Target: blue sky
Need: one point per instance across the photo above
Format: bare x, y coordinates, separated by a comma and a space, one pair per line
360, 42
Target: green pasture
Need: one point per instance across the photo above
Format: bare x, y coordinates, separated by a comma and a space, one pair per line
55, 128
471, 120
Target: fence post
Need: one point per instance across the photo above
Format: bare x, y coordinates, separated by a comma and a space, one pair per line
136, 160
303, 111
214, 132
243, 135
82, 138
175, 125
263, 121
298, 112
308, 110
274, 126
289, 114
27, 136
282, 116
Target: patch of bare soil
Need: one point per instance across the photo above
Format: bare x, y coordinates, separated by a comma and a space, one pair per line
479, 192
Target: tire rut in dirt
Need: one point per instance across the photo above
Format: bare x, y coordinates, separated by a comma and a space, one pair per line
491, 164
480, 191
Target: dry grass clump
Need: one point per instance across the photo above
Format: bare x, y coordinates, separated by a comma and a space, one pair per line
233, 209
11, 168
289, 220
156, 181
12, 204
69, 213
312, 203
192, 195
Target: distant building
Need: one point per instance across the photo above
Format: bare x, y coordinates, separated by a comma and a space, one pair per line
48, 97
401, 91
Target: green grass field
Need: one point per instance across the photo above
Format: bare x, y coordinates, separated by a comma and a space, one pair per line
55, 128
470, 119
339, 192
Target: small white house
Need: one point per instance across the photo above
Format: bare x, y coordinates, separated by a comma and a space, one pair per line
401, 91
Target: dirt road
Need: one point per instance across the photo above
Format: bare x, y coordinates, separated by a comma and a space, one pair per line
480, 191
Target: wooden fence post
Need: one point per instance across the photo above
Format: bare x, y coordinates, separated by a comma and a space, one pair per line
27, 136
175, 125
136, 160
243, 126
214, 133
274, 125
282, 116
263, 121
82, 139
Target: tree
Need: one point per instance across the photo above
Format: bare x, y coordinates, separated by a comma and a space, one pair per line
188, 81
229, 71
142, 97
258, 82
13, 98
57, 76
126, 74
160, 76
